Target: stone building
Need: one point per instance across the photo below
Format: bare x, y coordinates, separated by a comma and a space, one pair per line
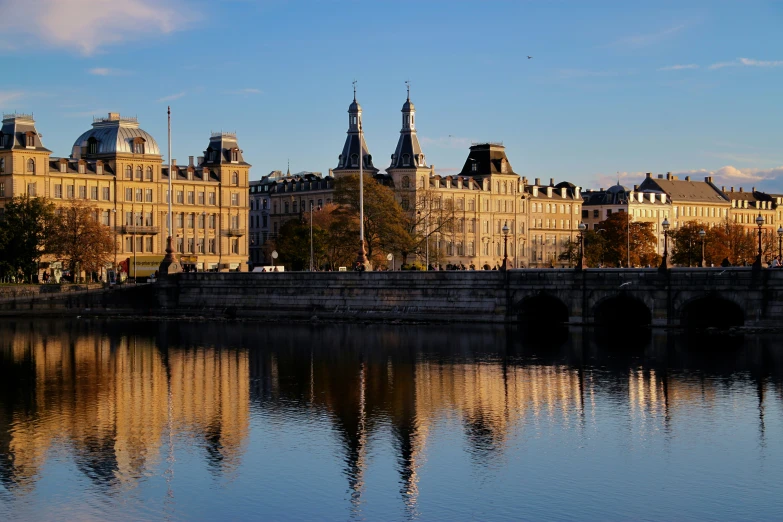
746, 207
117, 167
648, 206
691, 200
555, 211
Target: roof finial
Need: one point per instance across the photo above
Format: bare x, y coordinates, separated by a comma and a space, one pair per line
354, 89
408, 85
288, 173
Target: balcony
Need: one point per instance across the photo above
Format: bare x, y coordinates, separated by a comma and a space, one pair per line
141, 230
235, 232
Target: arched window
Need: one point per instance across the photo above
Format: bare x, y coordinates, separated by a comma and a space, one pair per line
294, 207
406, 182
31, 166
406, 160
149, 173
235, 178
354, 160
405, 203
421, 183
128, 172
138, 173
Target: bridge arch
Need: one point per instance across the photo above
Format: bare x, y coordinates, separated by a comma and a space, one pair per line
711, 311
623, 311
542, 309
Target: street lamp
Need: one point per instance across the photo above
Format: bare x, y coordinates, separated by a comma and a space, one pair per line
505, 246
665, 264
758, 264
702, 263
780, 243
582, 263
311, 234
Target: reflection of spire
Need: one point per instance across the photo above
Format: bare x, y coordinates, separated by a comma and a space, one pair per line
760, 394
357, 457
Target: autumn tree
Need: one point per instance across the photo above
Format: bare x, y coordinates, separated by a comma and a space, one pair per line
385, 226
619, 234
685, 243
340, 240
80, 241
25, 235
293, 244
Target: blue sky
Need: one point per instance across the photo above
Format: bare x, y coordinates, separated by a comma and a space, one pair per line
626, 87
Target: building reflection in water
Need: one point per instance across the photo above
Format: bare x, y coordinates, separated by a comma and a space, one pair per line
118, 399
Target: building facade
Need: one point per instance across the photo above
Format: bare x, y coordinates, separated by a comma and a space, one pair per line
117, 167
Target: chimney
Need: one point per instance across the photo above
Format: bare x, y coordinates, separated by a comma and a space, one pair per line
669, 176
173, 163
636, 188
551, 182
524, 180
753, 189
114, 116
660, 176
649, 174
687, 178
190, 161
538, 182
740, 189
723, 188
732, 189
200, 160
708, 179
432, 169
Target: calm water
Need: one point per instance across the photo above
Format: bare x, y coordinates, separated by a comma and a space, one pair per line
150, 421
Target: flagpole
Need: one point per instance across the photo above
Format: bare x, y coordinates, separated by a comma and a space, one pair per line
169, 265
361, 260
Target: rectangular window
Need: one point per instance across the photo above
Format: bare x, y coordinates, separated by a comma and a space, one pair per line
190, 221
106, 193
234, 246
148, 195
191, 197
191, 244
128, 218
58, 191
105, 219
212, 245
200, 246
180, 245
94, 193
129, 244
211, 198
212, 221
81, 168
128, 194
139, 195
2, 190
200, 198
234, 200
69, 191
180, 196
201, 220
148, 219
82, 192
149, 244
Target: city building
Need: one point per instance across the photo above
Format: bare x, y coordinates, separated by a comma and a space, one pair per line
746, 207
691, 200
554, 216
118, 168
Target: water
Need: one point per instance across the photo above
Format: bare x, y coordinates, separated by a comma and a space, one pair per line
194, 421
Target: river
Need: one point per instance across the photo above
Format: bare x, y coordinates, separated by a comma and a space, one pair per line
214, 421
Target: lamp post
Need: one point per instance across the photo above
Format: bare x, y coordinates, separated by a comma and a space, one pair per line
758, 264
582, 263
780, 243
114, 212
505, 246
703, 262
311, 234
665, 264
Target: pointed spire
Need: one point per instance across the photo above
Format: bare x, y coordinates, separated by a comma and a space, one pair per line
288, 172
354, 89
408, 85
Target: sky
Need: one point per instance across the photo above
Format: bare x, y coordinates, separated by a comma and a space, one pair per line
613, 89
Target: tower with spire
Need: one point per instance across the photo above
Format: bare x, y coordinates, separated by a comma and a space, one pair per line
408, 168
355, 148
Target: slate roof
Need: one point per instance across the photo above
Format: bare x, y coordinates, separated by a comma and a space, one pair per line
685, 190
14, 131
489, 158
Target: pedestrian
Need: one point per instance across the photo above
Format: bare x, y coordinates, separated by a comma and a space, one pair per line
775, 263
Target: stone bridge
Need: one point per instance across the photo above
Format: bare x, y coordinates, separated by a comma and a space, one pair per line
694, 297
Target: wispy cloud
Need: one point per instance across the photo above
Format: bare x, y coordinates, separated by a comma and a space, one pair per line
679, 67
9, 96
245, 91
643, 40
747, 62
89, 25
723, 176
446, 142
106, 71
172, 97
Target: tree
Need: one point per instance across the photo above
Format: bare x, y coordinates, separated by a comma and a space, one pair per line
80, 241
384, 221
340, 232
25, 235
293, 244
620, 233
686, 243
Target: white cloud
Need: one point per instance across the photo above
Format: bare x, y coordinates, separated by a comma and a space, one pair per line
172, 97
747, 62
9, 96
679, 67
88, 25
763, 178
105, 71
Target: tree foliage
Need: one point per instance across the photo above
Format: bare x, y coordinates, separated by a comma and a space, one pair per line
80, 241
727, 241
619, 234
25, 235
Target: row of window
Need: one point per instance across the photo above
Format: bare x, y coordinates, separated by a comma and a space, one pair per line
182, 245
551, 208
57, 192
305, 185
294, 208
565, 224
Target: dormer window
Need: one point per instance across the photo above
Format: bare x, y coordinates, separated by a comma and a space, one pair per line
92, 146
205, 174
234, 155
504, 166
149, 174
354, 160
63, 166
340, 160
474, 167
99, 168
405, 160
81, 167
30, 139
138, 145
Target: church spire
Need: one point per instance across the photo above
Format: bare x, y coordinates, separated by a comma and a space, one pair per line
408, 153
355, 147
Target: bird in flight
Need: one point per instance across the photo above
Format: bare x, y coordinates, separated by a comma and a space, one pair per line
529, 57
